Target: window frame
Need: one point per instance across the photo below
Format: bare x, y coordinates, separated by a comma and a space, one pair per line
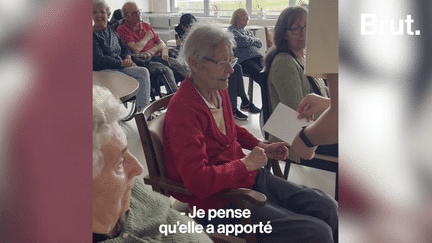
248, 7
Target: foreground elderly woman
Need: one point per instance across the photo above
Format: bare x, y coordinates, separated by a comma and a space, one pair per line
111, 54
203, 150
123, 210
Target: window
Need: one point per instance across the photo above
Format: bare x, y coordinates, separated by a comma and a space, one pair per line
195, 7
225, 8
270, 9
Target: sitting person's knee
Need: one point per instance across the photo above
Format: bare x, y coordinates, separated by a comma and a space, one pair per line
318, 232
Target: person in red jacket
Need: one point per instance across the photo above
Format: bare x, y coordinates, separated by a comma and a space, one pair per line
148, 47
203, 150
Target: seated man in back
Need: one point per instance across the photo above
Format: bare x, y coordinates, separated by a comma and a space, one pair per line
143, 41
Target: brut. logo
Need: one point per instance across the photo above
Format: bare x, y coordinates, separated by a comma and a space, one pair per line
371, 25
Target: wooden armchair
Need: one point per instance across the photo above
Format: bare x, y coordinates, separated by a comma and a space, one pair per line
150, 130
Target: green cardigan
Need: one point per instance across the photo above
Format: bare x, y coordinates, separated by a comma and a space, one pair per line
288, 84
147, 212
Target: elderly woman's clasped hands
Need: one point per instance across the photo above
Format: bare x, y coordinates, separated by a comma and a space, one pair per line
257, 158
127, 62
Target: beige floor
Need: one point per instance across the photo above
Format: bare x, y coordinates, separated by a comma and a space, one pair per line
299, 174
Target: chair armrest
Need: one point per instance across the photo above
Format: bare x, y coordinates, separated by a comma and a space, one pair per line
166, 184
250, 195
254, 197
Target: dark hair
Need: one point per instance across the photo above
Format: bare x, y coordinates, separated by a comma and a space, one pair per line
186, 20
286, 19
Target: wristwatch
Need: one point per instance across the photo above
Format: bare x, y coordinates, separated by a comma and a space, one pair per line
305, 139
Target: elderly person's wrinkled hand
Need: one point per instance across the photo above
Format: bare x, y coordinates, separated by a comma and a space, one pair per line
300, 149
312, 104
127, 62
152, 51
165, 54
255, 159
277, 151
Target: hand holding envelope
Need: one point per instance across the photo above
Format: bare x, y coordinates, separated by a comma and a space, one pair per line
312, 104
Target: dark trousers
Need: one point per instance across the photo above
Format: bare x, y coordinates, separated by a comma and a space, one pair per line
296, 213
157, 63
253, 67
236, 86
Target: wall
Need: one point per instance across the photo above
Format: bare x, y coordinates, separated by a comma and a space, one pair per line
117, 4
159, 6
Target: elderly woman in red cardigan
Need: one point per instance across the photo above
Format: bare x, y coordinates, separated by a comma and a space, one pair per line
203, 150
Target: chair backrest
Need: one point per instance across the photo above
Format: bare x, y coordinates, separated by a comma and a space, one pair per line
150, 131
117, 15
269, 32
116, 19
265, 110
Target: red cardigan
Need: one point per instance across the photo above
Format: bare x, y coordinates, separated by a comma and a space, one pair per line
197, 154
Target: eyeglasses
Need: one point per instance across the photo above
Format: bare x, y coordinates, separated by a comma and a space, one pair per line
136, 13
223, 64
298, 30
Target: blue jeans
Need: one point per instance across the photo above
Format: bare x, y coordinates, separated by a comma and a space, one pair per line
142, 75
296, 213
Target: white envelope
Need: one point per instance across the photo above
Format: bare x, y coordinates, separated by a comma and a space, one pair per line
284, 124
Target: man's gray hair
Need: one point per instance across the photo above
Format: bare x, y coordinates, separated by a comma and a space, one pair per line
106, 110
125, 4
103, 4
202, 39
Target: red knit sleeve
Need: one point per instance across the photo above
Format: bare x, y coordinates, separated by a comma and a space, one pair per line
245, 138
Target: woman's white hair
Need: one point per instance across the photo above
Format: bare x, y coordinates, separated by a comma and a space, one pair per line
202, 39
106, 110
235, 15
103, 4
